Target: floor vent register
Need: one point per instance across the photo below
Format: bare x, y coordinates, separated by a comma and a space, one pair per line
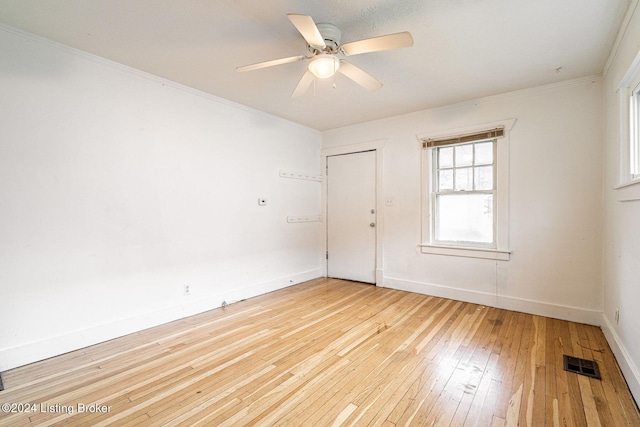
582, 366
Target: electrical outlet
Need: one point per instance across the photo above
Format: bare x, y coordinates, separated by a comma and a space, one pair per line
186, 290
617, 316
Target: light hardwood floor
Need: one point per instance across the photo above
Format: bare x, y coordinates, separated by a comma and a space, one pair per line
330, 352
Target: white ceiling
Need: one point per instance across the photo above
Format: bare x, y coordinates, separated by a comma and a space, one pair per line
464, 49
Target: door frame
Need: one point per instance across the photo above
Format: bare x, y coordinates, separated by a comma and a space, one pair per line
378, 147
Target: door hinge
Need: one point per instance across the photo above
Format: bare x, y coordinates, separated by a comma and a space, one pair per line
327, 255
326, 169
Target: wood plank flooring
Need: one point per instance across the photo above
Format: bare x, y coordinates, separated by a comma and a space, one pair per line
330, 352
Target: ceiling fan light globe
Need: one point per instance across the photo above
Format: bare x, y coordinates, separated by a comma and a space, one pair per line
324, 66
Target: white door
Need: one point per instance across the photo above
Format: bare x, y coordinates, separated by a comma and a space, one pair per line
351, 216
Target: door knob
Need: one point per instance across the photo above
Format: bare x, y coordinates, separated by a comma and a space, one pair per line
373, 224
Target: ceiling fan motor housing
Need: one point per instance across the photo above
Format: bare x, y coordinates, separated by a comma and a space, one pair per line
331, 35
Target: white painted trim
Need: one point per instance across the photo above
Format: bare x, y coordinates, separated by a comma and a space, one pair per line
476, 128
624, 134
378, 146
170, 84
629, 192
627, 366
539, 308
630, 78
626, 141
468, 252
379, 277
631, 183
32, 352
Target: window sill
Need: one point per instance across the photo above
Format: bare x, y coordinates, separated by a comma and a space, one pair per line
494, 254
629, 191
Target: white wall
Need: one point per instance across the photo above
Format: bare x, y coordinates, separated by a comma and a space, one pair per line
555, 202
621, 222
118, 188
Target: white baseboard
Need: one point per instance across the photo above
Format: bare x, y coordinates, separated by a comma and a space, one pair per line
574, 314
28, 353
626, 363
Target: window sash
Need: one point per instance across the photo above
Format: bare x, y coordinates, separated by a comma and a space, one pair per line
438, 231
435, 192
472, 167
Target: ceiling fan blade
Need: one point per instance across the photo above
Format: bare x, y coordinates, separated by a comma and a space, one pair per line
270, 63
308, 29
376, 44
303, 84
357, 75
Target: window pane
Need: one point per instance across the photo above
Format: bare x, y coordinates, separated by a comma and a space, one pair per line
464, 218
445, 157
464, 179
484, 153
445, 180
464, 155
484, 178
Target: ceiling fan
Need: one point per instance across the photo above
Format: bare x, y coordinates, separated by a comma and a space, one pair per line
323, 43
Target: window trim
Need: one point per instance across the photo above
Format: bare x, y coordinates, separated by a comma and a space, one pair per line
629, 144
428, 244
634, 129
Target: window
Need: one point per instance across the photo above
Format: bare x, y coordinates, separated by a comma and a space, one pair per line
465, 192
629, 93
